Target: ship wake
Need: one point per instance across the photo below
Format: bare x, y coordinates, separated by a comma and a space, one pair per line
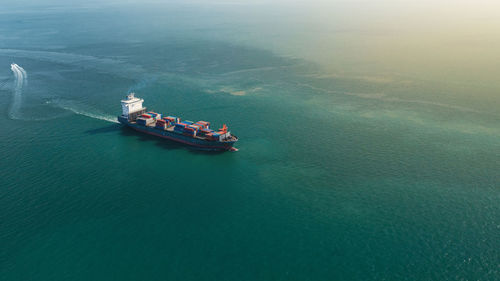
83, 110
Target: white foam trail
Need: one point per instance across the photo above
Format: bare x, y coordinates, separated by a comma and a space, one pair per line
21, 79
82, 110
92, 115
25, 75
107, 65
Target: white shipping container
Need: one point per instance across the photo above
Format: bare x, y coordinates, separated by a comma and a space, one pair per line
224, 136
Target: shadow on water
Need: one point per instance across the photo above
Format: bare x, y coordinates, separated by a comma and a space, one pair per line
165, 143
103, 130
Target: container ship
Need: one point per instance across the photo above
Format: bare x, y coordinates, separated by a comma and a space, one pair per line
195, 134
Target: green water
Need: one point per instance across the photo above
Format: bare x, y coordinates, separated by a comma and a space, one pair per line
345, 175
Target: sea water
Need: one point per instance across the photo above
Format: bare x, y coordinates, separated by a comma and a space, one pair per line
345, 170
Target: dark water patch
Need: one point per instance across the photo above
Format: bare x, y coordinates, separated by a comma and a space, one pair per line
104, 130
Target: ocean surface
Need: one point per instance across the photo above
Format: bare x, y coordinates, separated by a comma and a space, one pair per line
350, 170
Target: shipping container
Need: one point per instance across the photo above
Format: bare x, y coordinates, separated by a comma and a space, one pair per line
193, 127
204, 124
154, 115
182, 124
174, 119
144, 121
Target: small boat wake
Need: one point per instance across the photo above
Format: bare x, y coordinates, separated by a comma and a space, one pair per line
20, 81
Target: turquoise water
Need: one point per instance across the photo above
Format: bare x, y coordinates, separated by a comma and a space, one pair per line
344, 176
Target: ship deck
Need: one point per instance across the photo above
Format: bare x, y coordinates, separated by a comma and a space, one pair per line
171, 129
